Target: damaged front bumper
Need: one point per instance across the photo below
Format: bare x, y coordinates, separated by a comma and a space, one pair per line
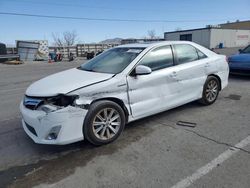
59, 127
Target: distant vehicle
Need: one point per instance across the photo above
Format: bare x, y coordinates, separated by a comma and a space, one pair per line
90, 55
99, 52
71, 56
4, 56
55, 56
240, 63
3, 51
121, 85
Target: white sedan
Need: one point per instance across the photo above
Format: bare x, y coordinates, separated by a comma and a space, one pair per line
126, 83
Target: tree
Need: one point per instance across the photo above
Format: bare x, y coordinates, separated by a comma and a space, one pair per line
151, 34
69, 38
58, 41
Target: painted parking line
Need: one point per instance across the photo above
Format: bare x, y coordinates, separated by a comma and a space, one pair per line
211, 165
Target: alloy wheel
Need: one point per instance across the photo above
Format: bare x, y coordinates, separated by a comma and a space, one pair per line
106, 123
212, 90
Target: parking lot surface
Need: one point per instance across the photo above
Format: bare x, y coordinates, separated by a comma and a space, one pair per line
152, 152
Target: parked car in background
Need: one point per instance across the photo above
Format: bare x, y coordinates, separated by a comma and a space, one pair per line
90, 55
121, 85
71, 56
4, 56
240, 63
3, 51
98, 52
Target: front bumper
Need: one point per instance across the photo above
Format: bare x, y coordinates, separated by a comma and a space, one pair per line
38, 124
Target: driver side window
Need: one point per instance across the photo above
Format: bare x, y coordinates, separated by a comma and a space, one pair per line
159, 58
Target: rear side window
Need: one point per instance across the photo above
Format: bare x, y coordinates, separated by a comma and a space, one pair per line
201, 54
159, 58
185, 53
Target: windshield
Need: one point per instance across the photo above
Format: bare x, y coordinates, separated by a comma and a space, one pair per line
112, 61
246, 50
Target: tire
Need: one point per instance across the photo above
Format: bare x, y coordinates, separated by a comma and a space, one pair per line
109, 120
211, 91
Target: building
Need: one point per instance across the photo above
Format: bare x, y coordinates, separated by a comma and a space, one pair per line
236, 25
235, 34
27, 50
30, 50
133, 40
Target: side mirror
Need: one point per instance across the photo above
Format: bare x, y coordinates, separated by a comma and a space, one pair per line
142, 70
240, 51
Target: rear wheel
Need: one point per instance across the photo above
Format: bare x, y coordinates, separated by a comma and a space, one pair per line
210, 90
104, 122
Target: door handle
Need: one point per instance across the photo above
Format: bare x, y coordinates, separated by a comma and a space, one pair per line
173, 74
207, 65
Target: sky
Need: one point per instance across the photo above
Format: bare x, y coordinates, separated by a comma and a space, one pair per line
181, 14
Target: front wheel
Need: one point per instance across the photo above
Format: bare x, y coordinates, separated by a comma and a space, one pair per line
104, 122
211, 90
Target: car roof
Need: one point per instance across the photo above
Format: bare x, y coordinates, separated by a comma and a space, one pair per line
162, 43
152, 44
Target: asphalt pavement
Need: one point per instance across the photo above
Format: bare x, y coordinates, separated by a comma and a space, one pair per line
152, 152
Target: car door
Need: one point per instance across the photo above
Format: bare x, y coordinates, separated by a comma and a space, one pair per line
155, 92
190, 71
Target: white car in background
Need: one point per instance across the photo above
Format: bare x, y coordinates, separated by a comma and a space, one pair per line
123, 84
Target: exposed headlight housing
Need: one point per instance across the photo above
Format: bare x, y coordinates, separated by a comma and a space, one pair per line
60, 100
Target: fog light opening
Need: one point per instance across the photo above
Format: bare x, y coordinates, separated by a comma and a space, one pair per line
53, 134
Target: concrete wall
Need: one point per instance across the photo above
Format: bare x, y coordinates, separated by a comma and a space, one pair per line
229, 38
201, 37
80, 50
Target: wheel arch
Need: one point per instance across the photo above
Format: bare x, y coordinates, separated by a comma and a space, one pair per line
117, 101
216, 76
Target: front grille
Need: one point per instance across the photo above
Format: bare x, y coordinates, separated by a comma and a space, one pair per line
31, 129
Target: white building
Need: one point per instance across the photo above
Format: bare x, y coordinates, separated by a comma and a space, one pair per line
215, 36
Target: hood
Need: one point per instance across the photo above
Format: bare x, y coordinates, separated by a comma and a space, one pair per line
239, 58
64, 82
